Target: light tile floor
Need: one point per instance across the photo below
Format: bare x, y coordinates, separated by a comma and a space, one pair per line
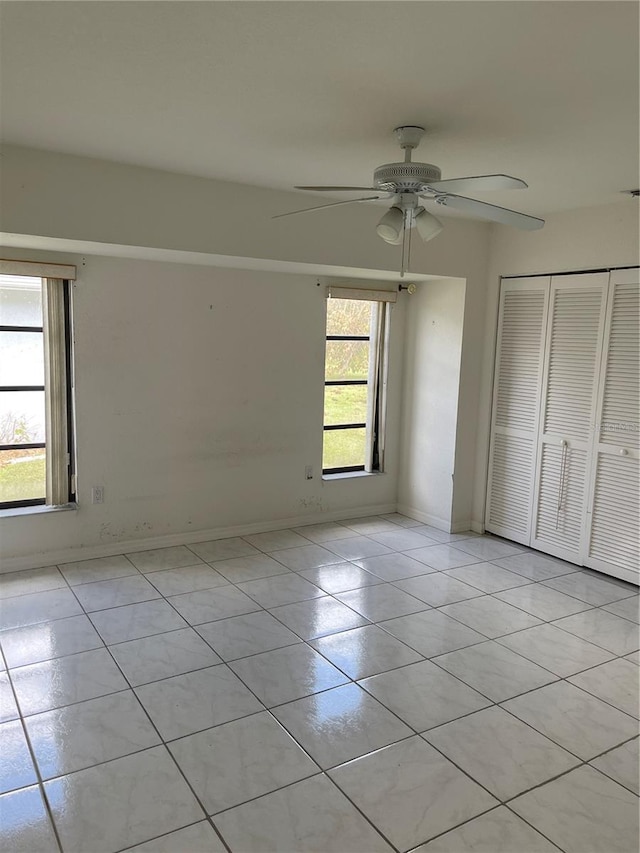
369, 685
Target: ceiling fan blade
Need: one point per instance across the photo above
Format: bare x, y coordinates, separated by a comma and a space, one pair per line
491, 211
336, 189
481, 182
321, 206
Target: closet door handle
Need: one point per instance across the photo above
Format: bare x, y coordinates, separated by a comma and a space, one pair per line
624, 451
563, 470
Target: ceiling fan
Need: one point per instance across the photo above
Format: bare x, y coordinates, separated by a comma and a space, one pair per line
410, 182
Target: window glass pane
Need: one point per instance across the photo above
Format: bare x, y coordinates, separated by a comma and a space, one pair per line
343, 448
345, 404
20, 301
21, 417
21, 358
348, 317
347, 360
22, 475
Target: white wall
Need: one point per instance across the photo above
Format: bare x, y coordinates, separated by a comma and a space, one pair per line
199, 403
432, 360
591, 238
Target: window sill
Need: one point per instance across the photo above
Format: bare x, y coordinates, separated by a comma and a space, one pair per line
35, 510
350, 475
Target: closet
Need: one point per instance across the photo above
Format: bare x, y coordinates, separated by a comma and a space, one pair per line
564, 453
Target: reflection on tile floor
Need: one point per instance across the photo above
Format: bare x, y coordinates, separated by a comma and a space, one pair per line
362, 686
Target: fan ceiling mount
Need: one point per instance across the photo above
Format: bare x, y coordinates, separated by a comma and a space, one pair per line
410, 182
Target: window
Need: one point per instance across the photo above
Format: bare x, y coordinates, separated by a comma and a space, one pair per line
35, 405
355, 380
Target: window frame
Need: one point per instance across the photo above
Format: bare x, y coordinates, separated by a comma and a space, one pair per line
44, 272
376, 382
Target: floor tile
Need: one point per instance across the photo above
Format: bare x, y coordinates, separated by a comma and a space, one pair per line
423, 695
596, 590
287, 674
489, 616
560, 652
542, 601
187, 579
536, 566
283, 589
382, 601
611, 632
365, 651
357, 548
26, 827
307, 817
16, 767
306, 557
634, 657
257, 754
134, 621
340, 578
369, 524
410, 792
30, 581
164, 558
318, 617
431, 632
402, 540
63, 681
320, 533
8, 707
276, 540
497, 831
489, 548
615, 682
99, 569
223, 549
501, 753
583, 811
340, 724
438, 589
574, 719
392, 567
192, 839
89, 733
30, 609
121, 803
241, 636
401, 520
102, 595
629, 608
622, 764
211, 604
488, 577
494, 671
441, 557
189, 703
48, 640
249, 568
162, 656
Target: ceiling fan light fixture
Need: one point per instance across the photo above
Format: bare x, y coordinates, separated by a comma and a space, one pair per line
427, 225
391, 225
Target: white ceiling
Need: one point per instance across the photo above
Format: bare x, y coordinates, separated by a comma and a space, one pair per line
281, 93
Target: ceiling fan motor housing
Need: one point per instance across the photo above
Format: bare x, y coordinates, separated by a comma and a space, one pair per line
405, 177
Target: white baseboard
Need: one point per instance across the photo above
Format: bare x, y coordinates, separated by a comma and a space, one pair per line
89, 552
425, 517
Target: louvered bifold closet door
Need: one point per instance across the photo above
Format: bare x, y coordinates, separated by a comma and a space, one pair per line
573, 348
614, 508
516, 406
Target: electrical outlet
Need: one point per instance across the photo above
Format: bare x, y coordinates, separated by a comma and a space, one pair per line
97, 495
308, 472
